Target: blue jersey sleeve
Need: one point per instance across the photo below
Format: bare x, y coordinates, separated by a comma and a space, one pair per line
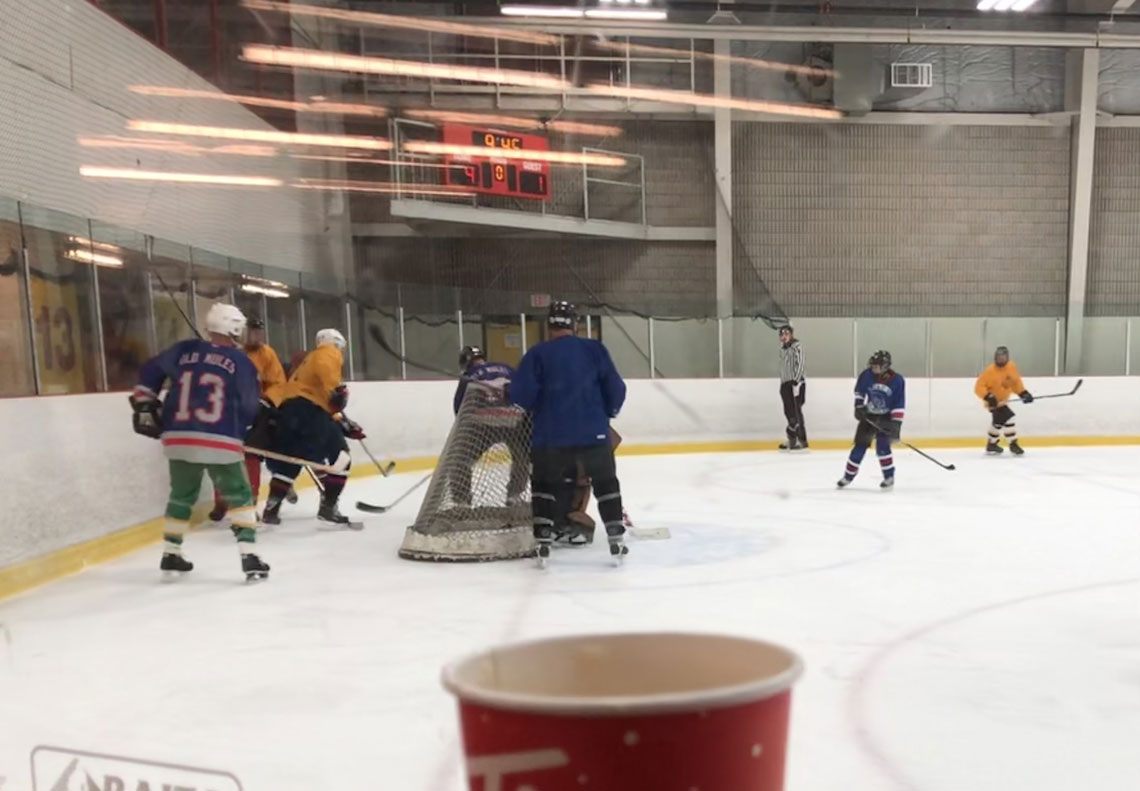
249, 390
525, 384
898, 405
862, 384
613, 386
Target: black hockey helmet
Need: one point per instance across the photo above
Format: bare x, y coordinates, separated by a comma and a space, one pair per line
785, 328
1003, 353
469, 355
881, 359
254, 323
562, 315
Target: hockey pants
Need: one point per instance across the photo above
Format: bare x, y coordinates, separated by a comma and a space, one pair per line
553, 480
185, 485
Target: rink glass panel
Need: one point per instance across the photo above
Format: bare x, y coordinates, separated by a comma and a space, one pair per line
62, 286
16, 375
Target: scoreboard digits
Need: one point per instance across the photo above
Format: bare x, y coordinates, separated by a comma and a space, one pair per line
521, 178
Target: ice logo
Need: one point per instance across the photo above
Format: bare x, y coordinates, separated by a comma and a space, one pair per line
60, 769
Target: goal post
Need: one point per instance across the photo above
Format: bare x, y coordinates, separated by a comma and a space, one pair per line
477, 506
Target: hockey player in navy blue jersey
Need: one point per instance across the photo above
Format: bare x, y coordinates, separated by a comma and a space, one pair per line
486, 389
880, 406
212, 399
572, 389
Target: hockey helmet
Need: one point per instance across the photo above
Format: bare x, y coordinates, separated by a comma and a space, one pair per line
331, 336
1001, 356
469, 355
562, 315
880, 360
227, 320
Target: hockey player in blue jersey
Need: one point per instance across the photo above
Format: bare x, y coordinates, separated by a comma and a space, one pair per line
483, 393
572, 389
880, 406
212, 399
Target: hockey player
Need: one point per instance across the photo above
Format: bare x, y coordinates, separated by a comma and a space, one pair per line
995, 385
212, 400
880, 406
793, 389
311, 425
572, 389
495, 428
271, 377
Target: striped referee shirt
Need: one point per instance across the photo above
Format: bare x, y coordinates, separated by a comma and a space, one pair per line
792, 362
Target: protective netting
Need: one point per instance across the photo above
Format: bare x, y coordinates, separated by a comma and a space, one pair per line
478, 504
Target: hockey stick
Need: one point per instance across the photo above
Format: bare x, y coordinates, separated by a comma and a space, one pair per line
379, 509
316, 480
313, 465
1076, 387
385, 469
919, 451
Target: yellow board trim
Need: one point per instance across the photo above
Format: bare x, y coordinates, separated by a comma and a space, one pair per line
71, 560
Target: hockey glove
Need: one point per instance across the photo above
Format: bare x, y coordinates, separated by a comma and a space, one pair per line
895, 430
1026, 397
351, 428
147, 417
860, 414
991, 400
339, 398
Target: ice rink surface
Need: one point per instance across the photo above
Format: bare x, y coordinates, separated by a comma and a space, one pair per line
977, 629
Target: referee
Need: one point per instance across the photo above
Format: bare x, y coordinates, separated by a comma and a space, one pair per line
792, 389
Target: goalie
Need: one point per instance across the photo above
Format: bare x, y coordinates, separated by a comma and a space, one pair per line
487, 386
577, 527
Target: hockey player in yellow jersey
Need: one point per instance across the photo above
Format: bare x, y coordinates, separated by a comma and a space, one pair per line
995, 386
311, 426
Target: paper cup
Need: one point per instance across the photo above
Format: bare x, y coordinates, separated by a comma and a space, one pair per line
626, 712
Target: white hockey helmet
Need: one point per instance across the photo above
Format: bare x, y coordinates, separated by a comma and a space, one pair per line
227, 320
331, 336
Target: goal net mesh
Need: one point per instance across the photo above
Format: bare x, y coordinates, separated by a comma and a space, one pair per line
477, 506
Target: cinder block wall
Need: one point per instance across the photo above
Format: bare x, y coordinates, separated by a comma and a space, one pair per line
1114, 244
842, 220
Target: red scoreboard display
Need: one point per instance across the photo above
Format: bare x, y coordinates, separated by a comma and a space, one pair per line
513, 176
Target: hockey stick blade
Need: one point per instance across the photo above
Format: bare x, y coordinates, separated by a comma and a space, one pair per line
649, 533
920, 452
379, 509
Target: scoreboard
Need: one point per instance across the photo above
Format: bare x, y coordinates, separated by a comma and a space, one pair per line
512, 176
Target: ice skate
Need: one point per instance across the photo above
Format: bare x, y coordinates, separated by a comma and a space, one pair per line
542, 553
330, 514
291, 496
844, 482
994, 449
618, 549
173, 564
254, 567
888, 483
272, 513
1016, 449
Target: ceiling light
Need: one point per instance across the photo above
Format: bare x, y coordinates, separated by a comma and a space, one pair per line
383, 187
420, 23
558, 12
645, 14
553, 157
88, 257
514, 122
318, 105
83, 240
253, 288
331, 61
707, 100
91, 171
261, 135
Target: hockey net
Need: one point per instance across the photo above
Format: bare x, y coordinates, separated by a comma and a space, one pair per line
477, 506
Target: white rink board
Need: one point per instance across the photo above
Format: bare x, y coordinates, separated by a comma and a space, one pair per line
82, 446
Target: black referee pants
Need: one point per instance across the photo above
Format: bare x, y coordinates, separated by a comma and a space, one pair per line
794, 411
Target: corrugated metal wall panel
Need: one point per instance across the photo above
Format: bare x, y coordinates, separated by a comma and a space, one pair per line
844, 220
1114, 243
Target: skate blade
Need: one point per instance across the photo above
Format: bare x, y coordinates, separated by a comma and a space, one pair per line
256, 577
649, 533
170, 576
330, 527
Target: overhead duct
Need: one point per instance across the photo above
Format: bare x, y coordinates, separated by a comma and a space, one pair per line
858, 80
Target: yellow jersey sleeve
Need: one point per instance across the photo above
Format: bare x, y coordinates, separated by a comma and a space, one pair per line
269, 372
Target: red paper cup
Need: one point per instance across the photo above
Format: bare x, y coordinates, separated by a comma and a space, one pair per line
626, 712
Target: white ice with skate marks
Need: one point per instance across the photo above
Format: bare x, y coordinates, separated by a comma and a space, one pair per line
971, 629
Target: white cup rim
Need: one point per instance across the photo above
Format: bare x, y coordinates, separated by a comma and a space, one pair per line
614, 705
